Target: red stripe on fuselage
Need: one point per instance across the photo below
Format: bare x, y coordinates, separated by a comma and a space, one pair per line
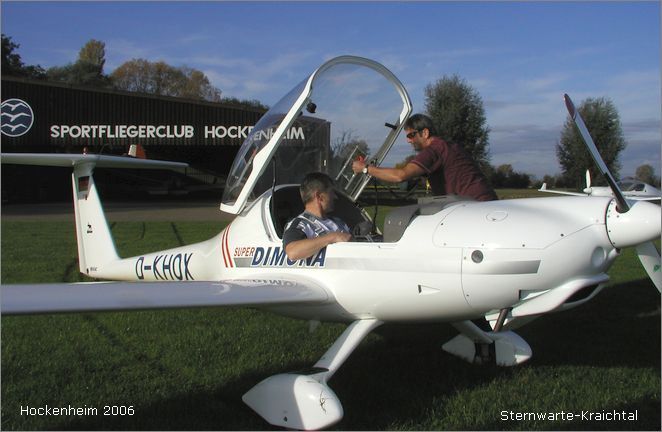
225, 259
226, 250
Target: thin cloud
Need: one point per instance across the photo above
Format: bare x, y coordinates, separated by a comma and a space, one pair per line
545, 82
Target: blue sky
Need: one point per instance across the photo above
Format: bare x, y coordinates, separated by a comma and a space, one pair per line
520, 56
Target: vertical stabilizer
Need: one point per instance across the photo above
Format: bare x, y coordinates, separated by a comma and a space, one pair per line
96, 248
95, 243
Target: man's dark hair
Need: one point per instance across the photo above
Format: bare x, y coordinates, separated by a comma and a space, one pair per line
314, 182
419, 122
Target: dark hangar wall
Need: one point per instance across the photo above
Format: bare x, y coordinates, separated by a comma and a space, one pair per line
69, 118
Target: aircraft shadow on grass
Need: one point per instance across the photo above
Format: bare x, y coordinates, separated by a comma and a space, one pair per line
425, 374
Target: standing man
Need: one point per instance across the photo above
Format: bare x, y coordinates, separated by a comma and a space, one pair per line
313, 230
448, 167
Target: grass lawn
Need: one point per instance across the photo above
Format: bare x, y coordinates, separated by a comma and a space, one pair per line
187, 369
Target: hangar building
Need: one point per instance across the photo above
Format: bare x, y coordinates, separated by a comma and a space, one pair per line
46, 117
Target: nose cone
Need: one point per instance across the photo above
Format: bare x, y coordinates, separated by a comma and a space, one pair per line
640, 224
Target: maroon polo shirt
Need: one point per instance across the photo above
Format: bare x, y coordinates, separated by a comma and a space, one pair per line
451, 170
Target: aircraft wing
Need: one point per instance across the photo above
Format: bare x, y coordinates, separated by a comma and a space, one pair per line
544, 189
101, 161
118, 296
644, 198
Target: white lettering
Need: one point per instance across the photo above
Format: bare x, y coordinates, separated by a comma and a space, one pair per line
295, 133
59, 411
132, 131
55, 131
223, 131
209, 132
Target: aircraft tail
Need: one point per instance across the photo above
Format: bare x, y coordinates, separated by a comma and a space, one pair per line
95, 242
96, 247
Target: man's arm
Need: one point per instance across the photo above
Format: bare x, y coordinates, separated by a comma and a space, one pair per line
393, 175
300, 249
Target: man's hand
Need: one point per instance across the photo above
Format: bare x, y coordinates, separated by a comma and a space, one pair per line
336, 237
358, 165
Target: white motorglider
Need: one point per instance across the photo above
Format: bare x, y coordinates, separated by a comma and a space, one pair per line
449, 260
632, 189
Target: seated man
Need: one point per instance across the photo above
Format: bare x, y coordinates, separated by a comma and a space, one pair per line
312, 230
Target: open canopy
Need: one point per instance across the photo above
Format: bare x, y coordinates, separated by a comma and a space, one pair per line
349, 107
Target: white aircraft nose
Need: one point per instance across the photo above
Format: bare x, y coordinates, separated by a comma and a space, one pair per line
640, 224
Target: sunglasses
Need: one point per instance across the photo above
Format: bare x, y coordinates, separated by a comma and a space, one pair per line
412, 134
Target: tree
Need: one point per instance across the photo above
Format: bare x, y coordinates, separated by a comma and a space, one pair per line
251, 104
166, 80
12, 63
646, 173
504, 176
604, 125
133, 75
87, 70
549, 180
160, 78
458, 114
197, 86
93, 52
346, 147
79, 73
500, 175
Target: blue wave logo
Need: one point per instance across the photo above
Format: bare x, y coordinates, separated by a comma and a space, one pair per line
17, 117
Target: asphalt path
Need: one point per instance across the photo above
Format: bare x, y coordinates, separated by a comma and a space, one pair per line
173, 211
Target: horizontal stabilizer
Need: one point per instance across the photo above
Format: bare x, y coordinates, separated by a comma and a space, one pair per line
101, 161
113, 296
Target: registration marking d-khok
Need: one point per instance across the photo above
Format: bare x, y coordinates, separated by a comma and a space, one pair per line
166, 267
